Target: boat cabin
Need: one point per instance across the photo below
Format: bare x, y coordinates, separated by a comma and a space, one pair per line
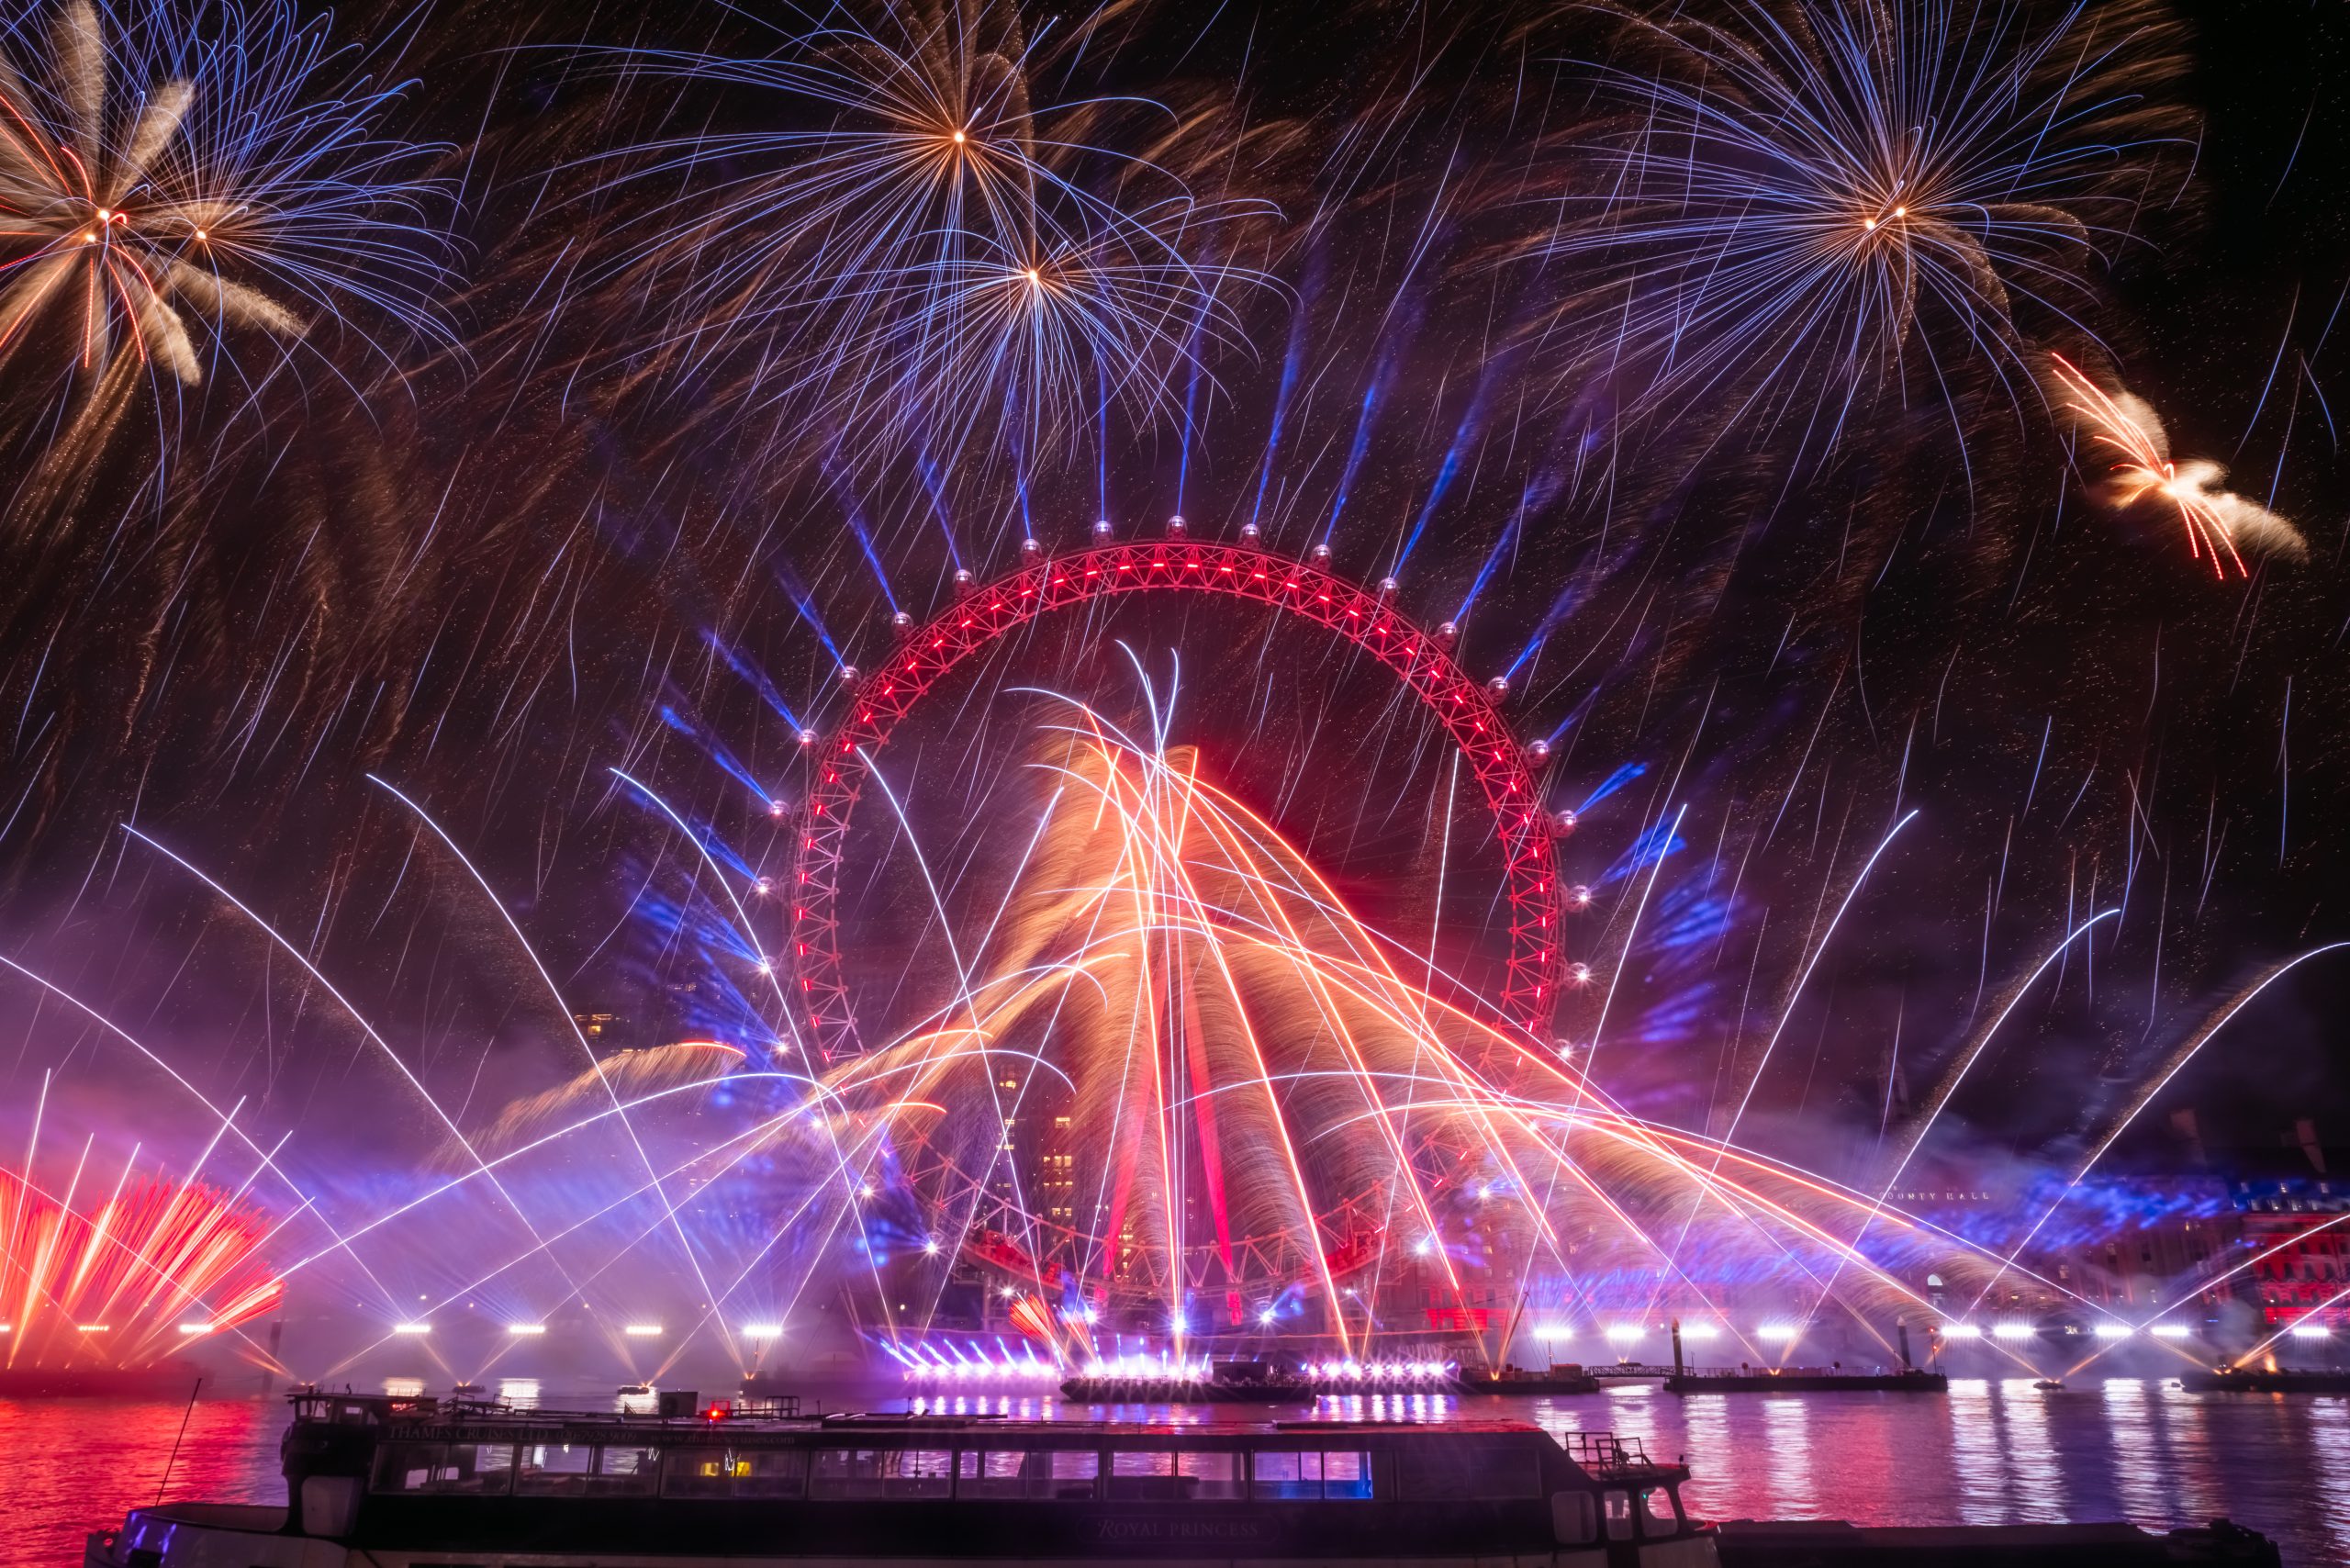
414, 1485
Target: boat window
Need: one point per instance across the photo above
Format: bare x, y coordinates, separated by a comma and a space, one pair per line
1467, 1470
1076, 1473
998, 1473
1343, 1474
1286, 1474
1031, 1472
1209, 1475
554, 1469
881, 1472
1619, 1514
734, 1473
1660, 1512
1347, 1474
625, 1470
917, 1473
1142, 1473
1574, 1518
479, 1469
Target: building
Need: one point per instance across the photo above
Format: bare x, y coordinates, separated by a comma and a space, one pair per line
2293, 1203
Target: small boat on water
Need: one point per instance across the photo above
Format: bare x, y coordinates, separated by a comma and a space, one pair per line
635, 1391
467, 1390
386, 1482
2049, 1384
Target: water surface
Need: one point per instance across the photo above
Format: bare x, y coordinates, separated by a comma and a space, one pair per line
1993, 1451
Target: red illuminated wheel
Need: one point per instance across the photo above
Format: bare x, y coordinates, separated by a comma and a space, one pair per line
987, 611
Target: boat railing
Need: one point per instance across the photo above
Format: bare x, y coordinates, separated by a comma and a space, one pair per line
1603, 1452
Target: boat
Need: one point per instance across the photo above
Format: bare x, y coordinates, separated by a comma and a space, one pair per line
392, 1482
1804, 1380
635, 1391
1564, 1377
2252, 1380
386, 1482
2049, 1384
467, 1390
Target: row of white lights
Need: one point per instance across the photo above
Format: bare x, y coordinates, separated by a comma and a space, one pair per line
1141, 1365
1381, 1371
1625, 1333
634, 1330
1030, 1367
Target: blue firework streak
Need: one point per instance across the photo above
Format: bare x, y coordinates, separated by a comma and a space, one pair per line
194, 190
1823, 201
912, 253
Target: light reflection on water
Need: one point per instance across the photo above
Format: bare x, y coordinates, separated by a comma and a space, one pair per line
2035, 1482
1974, 1450
2327, 1422
1987, 1453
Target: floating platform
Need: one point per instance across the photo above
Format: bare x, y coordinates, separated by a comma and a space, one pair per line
171, 1380
2250, 1381
1833, 1543
1806, 1380
1186, 1390
1557, 1379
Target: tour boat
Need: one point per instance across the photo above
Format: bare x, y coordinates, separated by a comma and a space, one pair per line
388, 1483
378, 1481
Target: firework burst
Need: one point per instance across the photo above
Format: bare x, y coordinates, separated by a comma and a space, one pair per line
187, 182
153, 1266
924, 256
1817, 202
1255, 1118
2219, 525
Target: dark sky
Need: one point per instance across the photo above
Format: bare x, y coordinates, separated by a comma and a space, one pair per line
488, 571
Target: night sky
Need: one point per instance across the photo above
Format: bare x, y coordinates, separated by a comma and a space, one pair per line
602, 492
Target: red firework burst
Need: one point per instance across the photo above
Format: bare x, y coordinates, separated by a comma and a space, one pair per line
158, 1264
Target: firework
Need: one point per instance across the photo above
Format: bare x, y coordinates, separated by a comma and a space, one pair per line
154, 1266
2219, 525
187, 194
1255, 1118
1826, 199
924, 256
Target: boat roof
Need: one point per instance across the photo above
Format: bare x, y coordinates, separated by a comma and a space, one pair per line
404, 1415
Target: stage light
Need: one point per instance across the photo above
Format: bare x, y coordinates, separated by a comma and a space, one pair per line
526, 1329
1779, 1332
1960, 1331
2170, 1331
411, 1328
2011, 1331
643, 1330
763, 1331
2113, 1330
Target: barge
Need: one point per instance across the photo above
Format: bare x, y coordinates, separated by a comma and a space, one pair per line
2252, 1380
1562, 1377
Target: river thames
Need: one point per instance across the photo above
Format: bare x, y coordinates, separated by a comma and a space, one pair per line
1992, 1451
